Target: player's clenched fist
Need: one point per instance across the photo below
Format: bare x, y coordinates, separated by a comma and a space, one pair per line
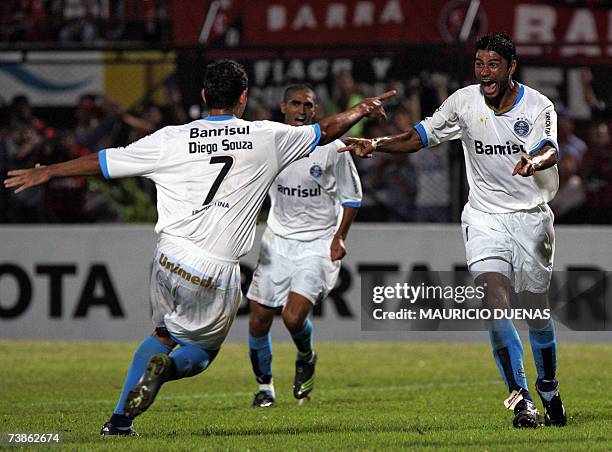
338, 249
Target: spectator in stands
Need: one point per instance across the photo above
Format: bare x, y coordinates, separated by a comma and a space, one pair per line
389, 184
20, 112
401, 180
82, 30
568, 204
64, 199
19, 147
597, 174
148, 120
374, 202
424, 93
174, 98
600, 109
96, 121
569, 143
430, 169
84, 21
346, 93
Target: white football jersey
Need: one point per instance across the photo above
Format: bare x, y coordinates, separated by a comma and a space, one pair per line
307, 195
494, 143
212, 176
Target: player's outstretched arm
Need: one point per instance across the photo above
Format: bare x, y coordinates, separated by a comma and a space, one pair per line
541, 160
335, 126
27, 178
405, 142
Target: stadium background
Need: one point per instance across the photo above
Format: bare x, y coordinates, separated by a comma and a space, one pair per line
80, 75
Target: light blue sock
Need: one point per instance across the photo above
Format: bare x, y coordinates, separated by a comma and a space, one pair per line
149, 347
544, 349
190, 360
260, 352
508, 354
303, 342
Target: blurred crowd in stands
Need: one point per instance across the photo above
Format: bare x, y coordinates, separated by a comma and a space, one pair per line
585, 166
428, 186
84, 22
98, 123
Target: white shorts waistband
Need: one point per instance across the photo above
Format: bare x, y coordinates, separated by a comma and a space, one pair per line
189, 246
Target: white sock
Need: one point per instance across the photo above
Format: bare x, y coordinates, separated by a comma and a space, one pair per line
269, 388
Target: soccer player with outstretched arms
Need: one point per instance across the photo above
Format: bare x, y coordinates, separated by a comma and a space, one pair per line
509, 137
212, 176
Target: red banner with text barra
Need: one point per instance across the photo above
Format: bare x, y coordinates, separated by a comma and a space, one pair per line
341, 22
539, 29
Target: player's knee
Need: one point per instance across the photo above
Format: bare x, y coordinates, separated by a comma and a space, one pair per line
205, 363
539, 324
496, 289
294, 320
296, 311
162, 335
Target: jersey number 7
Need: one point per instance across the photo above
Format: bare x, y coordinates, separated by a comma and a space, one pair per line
227, 164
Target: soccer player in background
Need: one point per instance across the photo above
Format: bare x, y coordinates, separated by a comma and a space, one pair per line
301, 248
508, 132
212, 176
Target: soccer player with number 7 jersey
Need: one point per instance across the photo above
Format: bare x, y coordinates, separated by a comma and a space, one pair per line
212, 176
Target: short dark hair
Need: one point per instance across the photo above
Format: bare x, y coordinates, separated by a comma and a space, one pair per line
224, 82
498, 42
298, 87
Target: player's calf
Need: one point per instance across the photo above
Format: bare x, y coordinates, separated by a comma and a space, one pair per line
159, 370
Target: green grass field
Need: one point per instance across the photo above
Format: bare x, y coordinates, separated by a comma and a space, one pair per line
367, 396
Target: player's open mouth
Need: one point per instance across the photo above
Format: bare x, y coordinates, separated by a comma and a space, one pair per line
300, 119
488, 86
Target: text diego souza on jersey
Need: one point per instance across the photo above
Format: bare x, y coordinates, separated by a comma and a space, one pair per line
197, 147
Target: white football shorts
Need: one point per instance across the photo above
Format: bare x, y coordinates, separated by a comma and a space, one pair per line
286, 265
525, 239
194, 295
